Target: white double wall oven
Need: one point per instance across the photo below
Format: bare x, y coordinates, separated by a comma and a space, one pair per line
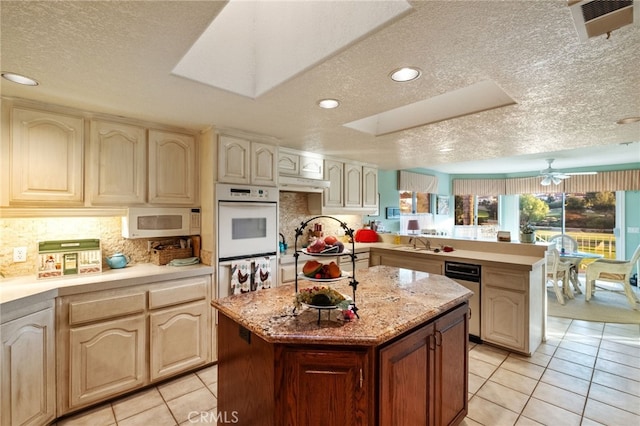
247, 238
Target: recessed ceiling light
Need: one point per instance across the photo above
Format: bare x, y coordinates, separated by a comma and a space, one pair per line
446, 149
20, 79
405, 74
328, 103
628, 120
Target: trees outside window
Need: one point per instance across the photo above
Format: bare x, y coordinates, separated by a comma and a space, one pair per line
476, 210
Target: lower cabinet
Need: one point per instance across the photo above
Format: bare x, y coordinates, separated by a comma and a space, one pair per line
114, 341
178, 339
27, 364
106, 359
331, 382
421, 375
406, 260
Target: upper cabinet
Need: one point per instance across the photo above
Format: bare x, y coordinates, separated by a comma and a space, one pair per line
296, 163
369, 187
46, 158
118, 164
172, 168
61, 158
244, 161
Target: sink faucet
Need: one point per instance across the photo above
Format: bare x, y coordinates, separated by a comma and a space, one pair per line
426, 242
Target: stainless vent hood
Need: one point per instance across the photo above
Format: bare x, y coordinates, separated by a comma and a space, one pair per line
299, 184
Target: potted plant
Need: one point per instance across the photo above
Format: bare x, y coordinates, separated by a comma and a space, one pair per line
527, 233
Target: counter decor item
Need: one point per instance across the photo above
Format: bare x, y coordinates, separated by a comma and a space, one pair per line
323, 297
117, 261
527, 233
161, 255
69, 257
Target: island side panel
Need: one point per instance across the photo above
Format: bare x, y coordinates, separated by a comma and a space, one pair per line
245, 376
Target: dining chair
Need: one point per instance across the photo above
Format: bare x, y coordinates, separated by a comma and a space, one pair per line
557, 270
564, 241
615, 271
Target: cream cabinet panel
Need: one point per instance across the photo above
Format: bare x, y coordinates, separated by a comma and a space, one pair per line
47, 154
369, 187
352, 185
179, 339
264, 163
172, 168
28, 370
118, 164
334, 173
288, 163
311, 167
503, 317
106, 359
234, 156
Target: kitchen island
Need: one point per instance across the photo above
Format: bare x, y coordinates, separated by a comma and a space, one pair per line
403, 362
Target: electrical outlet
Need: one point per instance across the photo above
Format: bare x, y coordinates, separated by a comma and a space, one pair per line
20, 254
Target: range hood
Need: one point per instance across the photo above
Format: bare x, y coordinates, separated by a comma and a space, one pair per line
299, 184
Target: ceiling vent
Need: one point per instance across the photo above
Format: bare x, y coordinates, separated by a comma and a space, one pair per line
597, 17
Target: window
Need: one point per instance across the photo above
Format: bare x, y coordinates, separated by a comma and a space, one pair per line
476, 210
415, 202
590, 218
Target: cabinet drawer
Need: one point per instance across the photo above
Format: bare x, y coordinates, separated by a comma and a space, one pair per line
505, 279
287, 273
102, 308
182, 292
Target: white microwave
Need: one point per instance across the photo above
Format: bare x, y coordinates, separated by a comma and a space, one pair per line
155, 222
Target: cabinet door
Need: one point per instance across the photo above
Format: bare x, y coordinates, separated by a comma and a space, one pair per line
233, 160
341, 377
311, 167
106, 359
334, 173
503, 317
264, 159
406, 381
409, 262
172, 168
47, 157
118, 163
369, 187
179, 339
451, 367
28, 370
353, 185
288, 163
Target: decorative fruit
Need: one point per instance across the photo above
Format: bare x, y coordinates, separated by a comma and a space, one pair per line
317, 246
330, 240
334, 270
311, 268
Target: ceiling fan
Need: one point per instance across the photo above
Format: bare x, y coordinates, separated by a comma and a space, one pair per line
551, 175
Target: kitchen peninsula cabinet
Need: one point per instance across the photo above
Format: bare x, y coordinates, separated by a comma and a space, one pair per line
118, 164
172, 168
113, 341
46, 158
404, 359
407, 259
244, 161
27, 363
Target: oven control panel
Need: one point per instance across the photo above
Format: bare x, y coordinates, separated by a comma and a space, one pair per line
245, 193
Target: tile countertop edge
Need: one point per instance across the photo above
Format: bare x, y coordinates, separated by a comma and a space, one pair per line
15, 293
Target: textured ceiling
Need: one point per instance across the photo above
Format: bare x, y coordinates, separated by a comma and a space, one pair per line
117, 58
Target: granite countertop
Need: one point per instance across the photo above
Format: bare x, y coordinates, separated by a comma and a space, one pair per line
21, 291
390, 301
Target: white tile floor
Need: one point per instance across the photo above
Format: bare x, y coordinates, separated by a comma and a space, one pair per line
587, 373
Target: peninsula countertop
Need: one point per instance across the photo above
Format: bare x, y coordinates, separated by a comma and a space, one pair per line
390, 301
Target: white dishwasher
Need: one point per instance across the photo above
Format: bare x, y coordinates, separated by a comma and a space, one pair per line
468, 275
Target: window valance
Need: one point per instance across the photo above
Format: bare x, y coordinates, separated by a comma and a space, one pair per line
620, 180
416, 182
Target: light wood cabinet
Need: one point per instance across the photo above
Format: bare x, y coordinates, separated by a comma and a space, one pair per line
172, 168
406, 260
179, 339
302, 164
27, 364
118, 164
369, 187
46, 160
326, 384
334, 173
244, 161
106, 359
352, 185
113, 341
421, 379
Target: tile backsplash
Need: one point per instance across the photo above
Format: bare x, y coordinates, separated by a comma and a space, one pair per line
294, 211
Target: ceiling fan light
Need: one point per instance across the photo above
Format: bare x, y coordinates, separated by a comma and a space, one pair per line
546, 181
556, 180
